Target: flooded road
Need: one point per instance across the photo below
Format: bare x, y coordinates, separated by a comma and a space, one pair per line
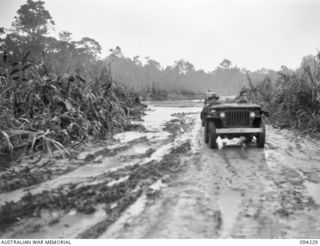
165, 182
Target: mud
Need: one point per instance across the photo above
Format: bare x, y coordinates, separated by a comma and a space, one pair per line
83, 199
159, 180
39, 208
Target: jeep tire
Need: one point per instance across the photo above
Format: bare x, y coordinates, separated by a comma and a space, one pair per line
261, 137
205, 132
212, 135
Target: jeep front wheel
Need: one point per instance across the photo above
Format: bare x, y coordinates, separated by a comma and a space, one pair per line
205, 133
261, 138
212, 136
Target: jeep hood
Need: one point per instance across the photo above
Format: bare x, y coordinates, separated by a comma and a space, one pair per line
235, 106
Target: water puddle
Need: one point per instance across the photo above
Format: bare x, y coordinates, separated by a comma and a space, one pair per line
80, 175
155, 119
125, 137
228, 204
313, 190
128, 217
163, 150
65, 225
157, 185
137, 149
72, 224
115, 182
84, 154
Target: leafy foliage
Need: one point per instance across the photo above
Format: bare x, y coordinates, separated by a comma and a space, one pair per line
44, 112
33, 18
292, 99
54, 92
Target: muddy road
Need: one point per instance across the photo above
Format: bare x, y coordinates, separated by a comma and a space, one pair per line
161, 181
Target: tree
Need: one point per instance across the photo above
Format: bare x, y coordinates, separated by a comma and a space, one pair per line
117, 52
152, 64
284, 69
89, 46
33, 19
226, 64
183, 66
308, 61
136, 61
2, 32
30, 26
65, 36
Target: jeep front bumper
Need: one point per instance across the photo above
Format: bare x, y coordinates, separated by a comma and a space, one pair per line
238, 130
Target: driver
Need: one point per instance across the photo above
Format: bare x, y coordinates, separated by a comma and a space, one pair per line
211, 97
243, 97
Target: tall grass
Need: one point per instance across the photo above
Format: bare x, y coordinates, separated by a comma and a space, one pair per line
293, 100
42, 112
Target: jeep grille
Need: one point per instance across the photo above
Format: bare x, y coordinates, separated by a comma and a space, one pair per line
237, 118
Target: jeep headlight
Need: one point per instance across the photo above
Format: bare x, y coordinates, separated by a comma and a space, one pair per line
252, 114
213, 111
222, 114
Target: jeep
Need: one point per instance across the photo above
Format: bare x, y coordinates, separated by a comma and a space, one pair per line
233, 120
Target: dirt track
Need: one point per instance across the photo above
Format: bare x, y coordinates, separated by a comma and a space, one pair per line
168, 184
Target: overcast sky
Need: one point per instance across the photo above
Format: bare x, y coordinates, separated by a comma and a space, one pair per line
251, 33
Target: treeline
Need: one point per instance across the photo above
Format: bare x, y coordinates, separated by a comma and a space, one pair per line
145, 74
293, 98
54, 92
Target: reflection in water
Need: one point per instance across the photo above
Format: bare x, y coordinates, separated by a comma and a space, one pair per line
229, 201
313, 190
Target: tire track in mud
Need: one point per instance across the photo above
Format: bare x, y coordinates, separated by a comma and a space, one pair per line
280, 195
185, 209
85, 198
234, 192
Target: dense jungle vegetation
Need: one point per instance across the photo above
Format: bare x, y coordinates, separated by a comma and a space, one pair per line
292, 98
54, 92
